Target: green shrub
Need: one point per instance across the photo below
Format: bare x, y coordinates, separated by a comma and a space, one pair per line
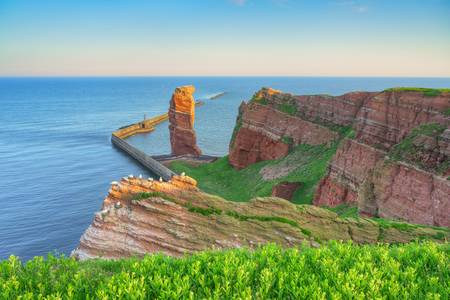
333, 271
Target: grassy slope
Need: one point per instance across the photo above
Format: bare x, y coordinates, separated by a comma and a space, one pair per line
337, 270
428, 92
408, 152
222, 179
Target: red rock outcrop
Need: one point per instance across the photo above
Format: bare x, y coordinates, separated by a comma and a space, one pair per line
397, 190
348, 169
380, 120
181, 116
141, 216
387, 117
266, 133
285, 190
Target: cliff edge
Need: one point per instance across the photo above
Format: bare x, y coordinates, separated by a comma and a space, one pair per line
142, 216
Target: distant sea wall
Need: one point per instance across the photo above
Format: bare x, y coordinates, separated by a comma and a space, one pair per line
140, 127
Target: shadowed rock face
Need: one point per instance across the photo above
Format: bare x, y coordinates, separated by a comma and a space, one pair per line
285, 190
181, 117
176, 218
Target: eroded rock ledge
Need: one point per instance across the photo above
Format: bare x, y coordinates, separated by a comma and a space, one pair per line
142, 216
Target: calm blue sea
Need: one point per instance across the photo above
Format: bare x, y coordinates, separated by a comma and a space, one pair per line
56, 159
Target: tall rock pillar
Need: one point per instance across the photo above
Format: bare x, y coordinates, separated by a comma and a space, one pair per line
181, 117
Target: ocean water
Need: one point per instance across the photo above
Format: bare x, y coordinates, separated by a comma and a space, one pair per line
56, 159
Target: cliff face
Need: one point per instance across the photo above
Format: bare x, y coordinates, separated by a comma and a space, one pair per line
181, 116
264, 132
142, 216
381, 120
348, 169
397, 190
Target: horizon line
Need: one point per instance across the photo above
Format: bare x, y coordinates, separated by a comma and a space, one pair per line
186, 76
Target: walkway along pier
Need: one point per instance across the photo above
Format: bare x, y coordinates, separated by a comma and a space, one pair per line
118, 139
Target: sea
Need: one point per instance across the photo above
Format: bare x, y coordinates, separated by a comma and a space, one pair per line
57, 160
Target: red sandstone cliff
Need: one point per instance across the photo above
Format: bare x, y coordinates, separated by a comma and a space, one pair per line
380, 120
176, 218
181, 117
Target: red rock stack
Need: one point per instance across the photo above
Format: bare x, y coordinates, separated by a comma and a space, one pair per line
181, 116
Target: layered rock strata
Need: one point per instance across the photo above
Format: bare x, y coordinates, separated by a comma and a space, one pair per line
397, 190
380, 121
183, 139
266, 133
142, 216
348, 169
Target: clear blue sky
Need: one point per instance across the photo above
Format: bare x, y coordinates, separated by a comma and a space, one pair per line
225, 37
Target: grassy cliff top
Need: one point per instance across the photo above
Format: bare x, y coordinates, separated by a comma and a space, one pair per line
428, 92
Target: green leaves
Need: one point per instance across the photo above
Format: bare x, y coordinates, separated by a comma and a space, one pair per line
335, 271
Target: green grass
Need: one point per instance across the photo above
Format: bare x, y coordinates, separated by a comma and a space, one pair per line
203, 211
287, 108
447, 112
221, 179
262, 218
287, 140
408, 152
146, 195
345, 211
425, 91
333, 271
260, 100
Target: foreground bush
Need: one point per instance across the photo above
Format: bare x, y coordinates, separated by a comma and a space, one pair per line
335, 271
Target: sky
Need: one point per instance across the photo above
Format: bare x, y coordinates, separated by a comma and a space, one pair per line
225, 38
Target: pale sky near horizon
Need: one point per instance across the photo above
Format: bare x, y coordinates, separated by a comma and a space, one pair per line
225, 37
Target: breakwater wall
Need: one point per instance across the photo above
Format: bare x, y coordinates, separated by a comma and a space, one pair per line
152, 163
118, 139
146, 160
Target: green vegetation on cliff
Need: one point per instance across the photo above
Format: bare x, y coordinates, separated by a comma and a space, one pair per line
306, 164
428, 92
414, 151
333, 271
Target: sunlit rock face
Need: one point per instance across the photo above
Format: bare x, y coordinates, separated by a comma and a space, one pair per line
181, 117
141, 216
272, 122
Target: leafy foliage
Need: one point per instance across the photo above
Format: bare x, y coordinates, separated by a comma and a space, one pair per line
335, 271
